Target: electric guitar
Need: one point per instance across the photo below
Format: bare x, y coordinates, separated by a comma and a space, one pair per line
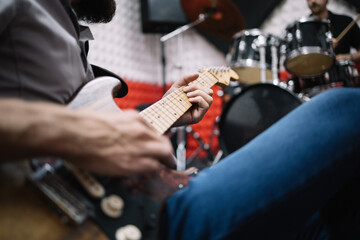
119, 207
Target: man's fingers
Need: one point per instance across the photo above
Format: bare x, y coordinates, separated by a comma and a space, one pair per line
161, 150
189, 78
200, 95
201, 103
143, 165
185, 80
195, 87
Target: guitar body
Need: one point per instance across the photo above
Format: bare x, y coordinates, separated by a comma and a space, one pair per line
142, 195
26, 215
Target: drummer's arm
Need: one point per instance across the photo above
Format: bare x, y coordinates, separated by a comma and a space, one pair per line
355, 57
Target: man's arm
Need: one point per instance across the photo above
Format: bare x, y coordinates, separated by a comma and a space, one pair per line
106, 143
354, 35
355, 57
109, 143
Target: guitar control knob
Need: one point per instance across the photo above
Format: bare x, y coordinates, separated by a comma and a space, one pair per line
112, 206
128, 232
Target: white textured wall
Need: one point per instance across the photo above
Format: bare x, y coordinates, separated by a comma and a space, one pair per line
122, 47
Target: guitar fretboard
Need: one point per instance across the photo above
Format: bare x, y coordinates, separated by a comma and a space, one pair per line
164, 113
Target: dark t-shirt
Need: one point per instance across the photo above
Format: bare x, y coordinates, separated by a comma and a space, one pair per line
351, 39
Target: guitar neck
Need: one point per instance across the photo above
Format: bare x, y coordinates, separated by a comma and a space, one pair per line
165, 112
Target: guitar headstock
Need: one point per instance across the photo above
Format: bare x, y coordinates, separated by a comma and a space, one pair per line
222, 74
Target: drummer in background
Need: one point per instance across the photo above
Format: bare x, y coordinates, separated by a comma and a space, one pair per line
342, 48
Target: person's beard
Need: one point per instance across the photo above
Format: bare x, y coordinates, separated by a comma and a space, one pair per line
316, 8
95, 11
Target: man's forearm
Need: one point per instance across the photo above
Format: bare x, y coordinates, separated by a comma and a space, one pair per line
107, 143
29, 129
355, 57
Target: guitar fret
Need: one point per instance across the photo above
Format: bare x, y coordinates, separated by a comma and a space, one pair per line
211, 79
157, 114
173, 101
201, 80
165, 115
175, 109
183, 100
159, 120
173, 114
151, 118
206, 80
159, 117
172, 108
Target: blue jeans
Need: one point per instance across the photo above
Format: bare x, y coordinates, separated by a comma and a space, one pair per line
271, 187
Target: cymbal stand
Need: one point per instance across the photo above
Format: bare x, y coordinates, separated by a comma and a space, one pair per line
181, 132
202, 17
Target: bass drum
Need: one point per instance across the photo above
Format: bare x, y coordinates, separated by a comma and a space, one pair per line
252, 111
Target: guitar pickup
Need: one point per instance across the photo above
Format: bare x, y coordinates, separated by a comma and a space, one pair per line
68, 200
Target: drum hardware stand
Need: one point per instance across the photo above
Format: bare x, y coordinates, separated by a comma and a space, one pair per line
202, 146
217, 157
274, 61
181, 134
262, 45
202, 17
216, 132
303, 97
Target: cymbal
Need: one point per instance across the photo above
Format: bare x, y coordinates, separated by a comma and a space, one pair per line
224, 20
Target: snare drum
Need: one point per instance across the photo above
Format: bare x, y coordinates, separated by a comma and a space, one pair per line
344, 73
309, 50
250, 52
252, 111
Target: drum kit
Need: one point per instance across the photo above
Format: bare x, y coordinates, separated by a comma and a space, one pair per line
261, 96
305, 50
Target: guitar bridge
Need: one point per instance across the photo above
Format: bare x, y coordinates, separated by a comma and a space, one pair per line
68, 200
